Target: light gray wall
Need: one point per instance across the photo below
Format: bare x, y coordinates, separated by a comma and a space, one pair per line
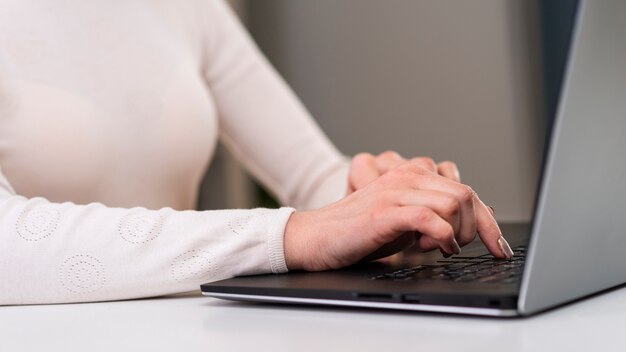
454, 80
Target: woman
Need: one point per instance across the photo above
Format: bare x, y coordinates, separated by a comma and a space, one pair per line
109, 114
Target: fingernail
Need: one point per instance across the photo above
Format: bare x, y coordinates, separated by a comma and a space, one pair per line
493, 211
455, 247
505, 248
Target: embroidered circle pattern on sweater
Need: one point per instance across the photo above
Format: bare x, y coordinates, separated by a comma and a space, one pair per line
193, 264
82, 273
140, 227
37, 223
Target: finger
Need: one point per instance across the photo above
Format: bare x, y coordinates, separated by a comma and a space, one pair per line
412, 176
449, 170
444, 204
388, 160
426, 244
489, 231
425, 162
465, 197
425, 221
363, 170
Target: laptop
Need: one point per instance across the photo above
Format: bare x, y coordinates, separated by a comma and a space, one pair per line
575, 245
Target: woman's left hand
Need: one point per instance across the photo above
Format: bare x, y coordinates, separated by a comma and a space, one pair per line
365, 168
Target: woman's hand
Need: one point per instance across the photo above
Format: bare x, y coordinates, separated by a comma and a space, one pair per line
365, 168
407, 204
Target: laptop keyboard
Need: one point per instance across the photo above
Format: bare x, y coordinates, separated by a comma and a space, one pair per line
484, 268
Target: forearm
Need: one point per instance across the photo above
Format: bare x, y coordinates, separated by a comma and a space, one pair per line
55, 253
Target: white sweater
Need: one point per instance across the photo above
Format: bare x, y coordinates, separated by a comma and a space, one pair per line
109, 114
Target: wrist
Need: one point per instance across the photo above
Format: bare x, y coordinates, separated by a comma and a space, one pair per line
295, 250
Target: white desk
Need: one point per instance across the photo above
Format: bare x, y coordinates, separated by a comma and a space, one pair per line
194, 323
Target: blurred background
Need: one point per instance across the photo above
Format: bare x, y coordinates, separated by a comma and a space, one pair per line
470, 81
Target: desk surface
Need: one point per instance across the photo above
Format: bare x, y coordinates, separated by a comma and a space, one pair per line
192, 323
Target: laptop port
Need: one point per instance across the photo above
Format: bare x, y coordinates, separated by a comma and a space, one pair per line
375, 296
412, 299
495, 302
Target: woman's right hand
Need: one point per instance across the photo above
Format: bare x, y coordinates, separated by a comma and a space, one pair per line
405, 206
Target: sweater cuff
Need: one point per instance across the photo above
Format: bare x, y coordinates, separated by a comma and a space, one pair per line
275, 241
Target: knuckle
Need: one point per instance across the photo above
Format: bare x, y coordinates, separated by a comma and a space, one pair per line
451, 207
389, 154
466, 194
395, 175
423, 215
362, 158
376, 213
424, 160
387, 181
448, 164
491, 227
444, 234
413, 168
467, 239
380, 207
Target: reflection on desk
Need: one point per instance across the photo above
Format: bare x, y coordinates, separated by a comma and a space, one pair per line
192, 322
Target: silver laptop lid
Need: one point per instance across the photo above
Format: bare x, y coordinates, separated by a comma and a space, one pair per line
578, 241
